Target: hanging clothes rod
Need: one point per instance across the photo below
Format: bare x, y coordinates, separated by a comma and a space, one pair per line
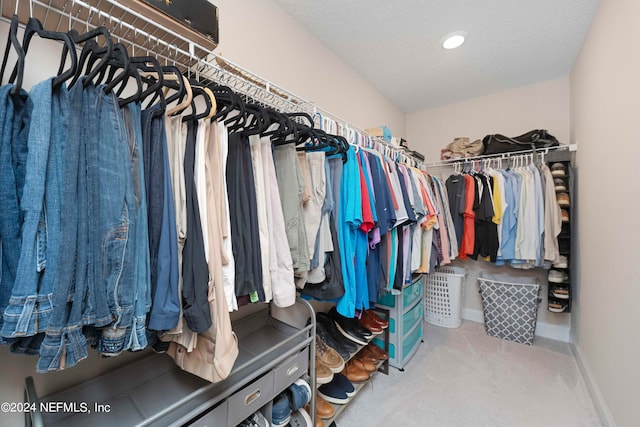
182, 47
542, 151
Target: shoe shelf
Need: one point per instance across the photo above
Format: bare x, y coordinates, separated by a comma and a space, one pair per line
559, 293
381, 365
272, 355
358, 386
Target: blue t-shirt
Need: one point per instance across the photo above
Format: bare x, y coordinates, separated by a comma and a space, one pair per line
349, 219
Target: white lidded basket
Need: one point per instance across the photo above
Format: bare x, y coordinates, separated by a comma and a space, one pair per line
444, 289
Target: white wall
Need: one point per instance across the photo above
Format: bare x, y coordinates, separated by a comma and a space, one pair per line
260, 36
513, 112
605, 107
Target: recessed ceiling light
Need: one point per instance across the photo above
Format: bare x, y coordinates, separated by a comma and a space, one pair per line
454, 40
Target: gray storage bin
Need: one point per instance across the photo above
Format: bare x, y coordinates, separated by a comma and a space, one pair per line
510, 305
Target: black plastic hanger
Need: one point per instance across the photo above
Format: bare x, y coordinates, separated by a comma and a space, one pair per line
151, 73
33, 27
172, 80
226, 100
92, 51
260, 120
120, 60
12, 41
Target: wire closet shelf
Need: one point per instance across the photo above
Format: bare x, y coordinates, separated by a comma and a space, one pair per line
191, 52
517, 156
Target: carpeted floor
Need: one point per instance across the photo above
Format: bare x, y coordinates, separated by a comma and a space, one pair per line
462, 377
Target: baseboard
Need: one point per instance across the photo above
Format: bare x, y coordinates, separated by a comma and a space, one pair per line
546, 330
473, 315
594, 390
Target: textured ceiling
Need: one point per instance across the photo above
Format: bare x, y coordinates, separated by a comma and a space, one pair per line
396, 45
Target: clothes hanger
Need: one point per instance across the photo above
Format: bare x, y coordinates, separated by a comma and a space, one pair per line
33, 27
91, 52
183, 101
150, 72
12, 42
198, 90
171, 80
236, 122
224, 100
260, 121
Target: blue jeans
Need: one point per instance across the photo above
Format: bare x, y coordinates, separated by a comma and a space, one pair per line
14, 125
30, 305
64, 344
154, 178
166, 304
116, 204
136, 337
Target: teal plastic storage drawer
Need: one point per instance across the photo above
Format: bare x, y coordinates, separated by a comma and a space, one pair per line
414, 315
392, 326
411, 294
411, 341
387, 300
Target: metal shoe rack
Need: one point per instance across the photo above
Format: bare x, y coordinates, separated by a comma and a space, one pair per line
382, 365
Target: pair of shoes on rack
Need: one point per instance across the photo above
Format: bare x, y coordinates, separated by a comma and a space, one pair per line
328, 362
562, 262
350, 328
371, 321
292, 399
323, 373
301, 418
326, 329
362, 363
557, 306
563, 199
378, 352
384, 324
557, 276
561, 292
338, 391
256, 419
565, 215
559, 184
355, 371
324, 410
328, 356
558, 170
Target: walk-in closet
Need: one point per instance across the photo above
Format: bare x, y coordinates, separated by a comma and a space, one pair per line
283, 213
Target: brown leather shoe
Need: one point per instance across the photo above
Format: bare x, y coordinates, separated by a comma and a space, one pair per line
319, 422
324, 409
328, 356
368, 355
364, 364
384, 324
354, 373
380, 353
370, 324
323, 373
